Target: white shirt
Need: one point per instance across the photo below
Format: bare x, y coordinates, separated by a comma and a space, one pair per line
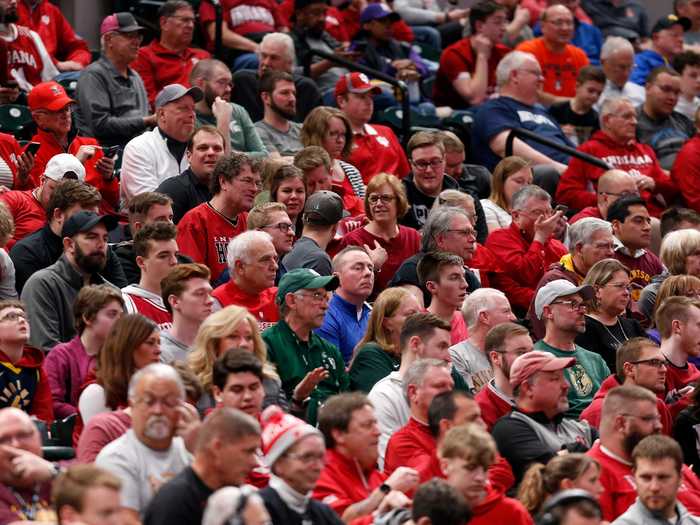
390, 407
630, 90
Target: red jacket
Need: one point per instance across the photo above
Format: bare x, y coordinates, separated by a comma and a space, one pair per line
342, 483
262, 305
159, 66
522, 263
50, 147
25, 385
10, 151
493, 404
28, 213
59, 38
592, 412
497, 508
377, 150
578, 183
686, 172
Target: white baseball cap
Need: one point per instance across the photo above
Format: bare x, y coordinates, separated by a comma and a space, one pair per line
64, 166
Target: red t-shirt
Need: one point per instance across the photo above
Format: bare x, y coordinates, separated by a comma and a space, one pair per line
23, 55
493, 405
559, 69
244, 16
203, 234
160, 66
406, 244
677, 378
377, 150
457, 59
262, 305
27, 212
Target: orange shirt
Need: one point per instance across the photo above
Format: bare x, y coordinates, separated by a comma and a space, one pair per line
559, 69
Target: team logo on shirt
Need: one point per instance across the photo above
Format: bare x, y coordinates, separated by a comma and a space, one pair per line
383, 141
45, 20
17, 56
580, 380
220, 244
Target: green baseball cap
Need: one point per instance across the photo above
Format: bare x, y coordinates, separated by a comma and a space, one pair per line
304, 279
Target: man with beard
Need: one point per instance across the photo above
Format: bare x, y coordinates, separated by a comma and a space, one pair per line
346, 320
205, 231
562, 305
156, 155
213, 77
629, 415
536, 431
28, 61
149, 454
278, 131
50, 293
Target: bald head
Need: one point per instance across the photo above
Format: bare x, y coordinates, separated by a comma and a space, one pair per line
553, 11
612, 185
16, 430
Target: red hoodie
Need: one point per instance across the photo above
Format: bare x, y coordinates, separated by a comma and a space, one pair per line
592, 412
25, 385
497, 508
577, 186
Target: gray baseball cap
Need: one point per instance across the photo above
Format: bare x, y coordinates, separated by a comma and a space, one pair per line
553, 290
173, 92
323, 208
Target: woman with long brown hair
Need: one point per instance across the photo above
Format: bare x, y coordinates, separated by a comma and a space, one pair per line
509, 175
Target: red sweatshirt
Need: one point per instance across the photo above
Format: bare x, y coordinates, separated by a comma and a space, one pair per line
160, 66
28, 213
686, 172
262, 305
493, 404
676, 378
497, 508
25, 385
522, 263
377, 150
578, 183
50, 147
592, 412
57, 34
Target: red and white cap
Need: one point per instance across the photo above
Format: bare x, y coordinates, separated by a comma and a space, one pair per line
355, 83
527, 365
280, 431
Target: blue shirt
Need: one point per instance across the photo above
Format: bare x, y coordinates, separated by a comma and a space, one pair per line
502, 113
342, 327
586, 36
644, 63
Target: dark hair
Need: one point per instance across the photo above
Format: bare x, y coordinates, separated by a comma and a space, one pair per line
158, 231
496, 337
438, 501
170, 7
212, 130
236, 361
140, 204
630, 351
90, 300
422, 325
227, 168
656, 448
672, 217
590, 73
70, 192
269, 79
443, 406
336, 414
620, 209
480, 11
175, 282
685, 59
660, 71
432, 263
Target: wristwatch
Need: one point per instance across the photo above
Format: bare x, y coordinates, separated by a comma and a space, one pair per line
384, 488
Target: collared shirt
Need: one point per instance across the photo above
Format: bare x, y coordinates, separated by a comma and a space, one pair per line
111, 107
344, 325
630, 90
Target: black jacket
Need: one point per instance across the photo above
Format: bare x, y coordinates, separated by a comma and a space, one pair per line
186, 191
317, 513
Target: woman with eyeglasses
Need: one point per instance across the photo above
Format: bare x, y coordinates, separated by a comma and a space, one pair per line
606, 326
388, 242
509, 175
379, 352
330, 128
285, 183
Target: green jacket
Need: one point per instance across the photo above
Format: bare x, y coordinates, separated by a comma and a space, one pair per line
244, 135
295, 358
370, 364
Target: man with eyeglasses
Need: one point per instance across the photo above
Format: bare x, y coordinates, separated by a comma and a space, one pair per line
632, 228
300, 355
639, 362
252, 263
617, 62
617, 146
536, 430
150, 453
295, 453
666, 43
169, 59
156, 155
658, 123
226, 451
562, 307
427, 179
630, 414
205, 231
612, 185
272, 218
559, 59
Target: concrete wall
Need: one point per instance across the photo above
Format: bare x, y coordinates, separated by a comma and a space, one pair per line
86, 16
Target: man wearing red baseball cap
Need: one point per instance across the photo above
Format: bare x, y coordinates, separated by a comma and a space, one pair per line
536, 431
375, 148
52, 111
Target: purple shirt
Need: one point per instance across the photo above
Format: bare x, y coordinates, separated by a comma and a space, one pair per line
67, 366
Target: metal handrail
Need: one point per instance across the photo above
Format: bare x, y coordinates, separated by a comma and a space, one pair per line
527, 134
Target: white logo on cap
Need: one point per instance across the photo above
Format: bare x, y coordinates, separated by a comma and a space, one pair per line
364, 78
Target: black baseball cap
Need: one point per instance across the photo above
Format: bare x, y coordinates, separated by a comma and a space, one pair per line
84, 221
668, 21
323, 208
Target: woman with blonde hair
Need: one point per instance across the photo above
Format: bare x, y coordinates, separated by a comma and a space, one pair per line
330, 128
568, 471
389, 243
379, 352
607, 328
231, 327
509, 175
